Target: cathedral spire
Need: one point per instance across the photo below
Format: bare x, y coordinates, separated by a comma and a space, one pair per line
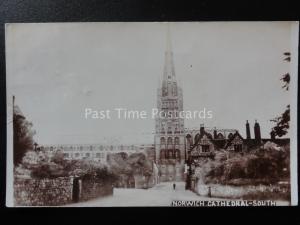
169, 71
169, 84
168, 41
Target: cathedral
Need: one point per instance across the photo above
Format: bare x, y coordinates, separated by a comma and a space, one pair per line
174, 145
169, 130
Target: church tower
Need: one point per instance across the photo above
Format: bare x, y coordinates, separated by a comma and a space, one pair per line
169, 127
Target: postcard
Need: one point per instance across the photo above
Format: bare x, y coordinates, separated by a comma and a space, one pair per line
179, 114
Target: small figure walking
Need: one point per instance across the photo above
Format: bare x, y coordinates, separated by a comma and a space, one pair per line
209, 191
174, 186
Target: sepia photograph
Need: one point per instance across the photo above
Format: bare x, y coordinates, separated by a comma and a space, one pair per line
179, 114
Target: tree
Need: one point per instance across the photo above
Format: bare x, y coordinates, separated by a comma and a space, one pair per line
283, 121
58, 157
22, 135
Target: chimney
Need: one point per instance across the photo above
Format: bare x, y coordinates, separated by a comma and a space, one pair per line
248, 134
201, 129
257, 132
215, 133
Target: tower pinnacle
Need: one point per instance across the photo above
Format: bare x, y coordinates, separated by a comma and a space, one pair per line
169, 84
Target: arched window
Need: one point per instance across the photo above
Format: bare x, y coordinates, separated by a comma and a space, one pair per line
176, 140
170, 141
170, 154
176, 128
162, 141
162, 129
174, 89
230, 135
177, 152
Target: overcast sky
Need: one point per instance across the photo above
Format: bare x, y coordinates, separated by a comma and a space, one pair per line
57, 70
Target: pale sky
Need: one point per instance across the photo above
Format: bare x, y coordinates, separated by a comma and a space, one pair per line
57, 70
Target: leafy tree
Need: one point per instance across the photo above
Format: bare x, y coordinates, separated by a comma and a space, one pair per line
58, 157
22, 135
283, 121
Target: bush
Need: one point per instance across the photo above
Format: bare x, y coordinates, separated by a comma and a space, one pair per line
48, 170
265, 166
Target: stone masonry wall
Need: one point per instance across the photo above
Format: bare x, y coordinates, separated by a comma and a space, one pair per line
42, 192
91, 189
55, 192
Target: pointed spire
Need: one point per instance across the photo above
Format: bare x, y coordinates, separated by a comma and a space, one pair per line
169, 70
169, 83
168, 41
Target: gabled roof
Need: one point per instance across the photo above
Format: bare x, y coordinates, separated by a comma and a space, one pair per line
236, 134
199, 136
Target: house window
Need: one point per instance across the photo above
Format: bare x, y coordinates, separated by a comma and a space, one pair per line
87, 154
66, 155
205, 148
76, 154
238, 148
98, 155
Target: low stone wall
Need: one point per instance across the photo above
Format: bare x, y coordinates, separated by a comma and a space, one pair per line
56, 192
229, 191
42, 192
91, 189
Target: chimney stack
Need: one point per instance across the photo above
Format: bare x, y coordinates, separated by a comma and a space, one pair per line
201, 129
215, 133
257, 132
248, 134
